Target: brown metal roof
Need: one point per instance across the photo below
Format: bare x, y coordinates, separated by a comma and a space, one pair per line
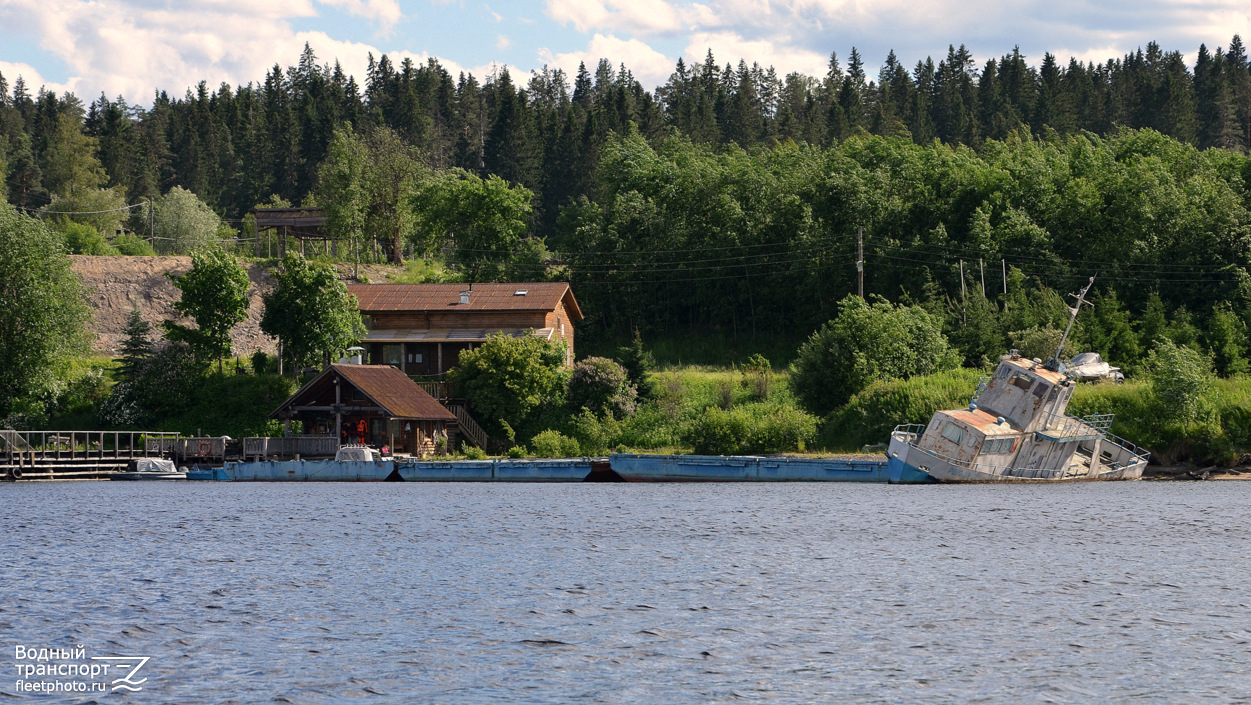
450, 335
985, 422
386, 386
394, 391
537, 296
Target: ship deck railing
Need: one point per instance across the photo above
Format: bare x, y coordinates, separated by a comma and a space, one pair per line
1071, 428
912, 430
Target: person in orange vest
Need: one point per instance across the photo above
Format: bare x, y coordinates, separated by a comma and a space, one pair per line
362, 429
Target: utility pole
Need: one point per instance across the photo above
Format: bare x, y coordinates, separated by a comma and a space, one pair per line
964, 299
860, 258
981, 267
1004, 264
151, 225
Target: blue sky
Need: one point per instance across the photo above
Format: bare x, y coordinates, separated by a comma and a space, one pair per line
130, 47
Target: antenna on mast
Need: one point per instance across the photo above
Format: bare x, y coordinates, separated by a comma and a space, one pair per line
1054, 363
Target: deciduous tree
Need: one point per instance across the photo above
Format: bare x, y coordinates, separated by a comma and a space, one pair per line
215, 296
41, 321
310, 311
183, 223
513, 382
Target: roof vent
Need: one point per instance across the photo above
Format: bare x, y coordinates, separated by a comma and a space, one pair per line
464, 297
521, 292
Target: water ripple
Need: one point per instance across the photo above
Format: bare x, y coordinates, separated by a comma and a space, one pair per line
459, 593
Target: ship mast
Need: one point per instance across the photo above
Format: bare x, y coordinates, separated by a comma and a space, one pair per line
1054, 363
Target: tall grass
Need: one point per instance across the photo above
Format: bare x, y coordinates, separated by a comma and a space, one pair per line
717, 410
870, 415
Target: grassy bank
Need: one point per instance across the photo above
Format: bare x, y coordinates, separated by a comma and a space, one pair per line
703, 410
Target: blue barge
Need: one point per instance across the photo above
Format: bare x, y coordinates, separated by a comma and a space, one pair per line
629, 467
567, 470
709, 468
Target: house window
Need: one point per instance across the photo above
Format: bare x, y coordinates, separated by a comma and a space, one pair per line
392, 354
954, 433
414, 357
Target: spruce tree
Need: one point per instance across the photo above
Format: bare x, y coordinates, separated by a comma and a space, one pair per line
136, 347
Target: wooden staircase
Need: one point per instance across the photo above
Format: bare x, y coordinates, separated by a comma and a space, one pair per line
466, 426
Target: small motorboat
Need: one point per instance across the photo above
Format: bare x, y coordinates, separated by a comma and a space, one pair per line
150, 469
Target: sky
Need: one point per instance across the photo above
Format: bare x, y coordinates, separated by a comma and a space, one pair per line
131, 48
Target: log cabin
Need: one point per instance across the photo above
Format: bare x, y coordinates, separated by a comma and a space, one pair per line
369, 404
422, 328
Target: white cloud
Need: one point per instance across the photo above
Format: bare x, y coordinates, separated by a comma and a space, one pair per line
781, 54
629, 16
33, 79
385, 13
503, 42
649, 66
798, 35
122, 47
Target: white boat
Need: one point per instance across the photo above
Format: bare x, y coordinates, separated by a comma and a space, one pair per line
1016, 430
150, 469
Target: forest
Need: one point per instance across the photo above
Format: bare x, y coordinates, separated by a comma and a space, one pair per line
721, 214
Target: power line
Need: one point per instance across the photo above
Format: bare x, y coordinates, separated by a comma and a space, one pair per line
40, 211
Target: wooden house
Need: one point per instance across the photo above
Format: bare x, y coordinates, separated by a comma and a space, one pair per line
376, 405
422, 328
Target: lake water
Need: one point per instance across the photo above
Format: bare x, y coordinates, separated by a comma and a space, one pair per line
793, 593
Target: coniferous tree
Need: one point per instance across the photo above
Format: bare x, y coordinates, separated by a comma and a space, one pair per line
136, 347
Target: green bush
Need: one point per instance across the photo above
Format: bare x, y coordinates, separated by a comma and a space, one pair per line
133, 245
83, 239
866, 343
554, 444
595, 434
717, 431
472, 452
601, 386
1181, 383
517, 452
750, 428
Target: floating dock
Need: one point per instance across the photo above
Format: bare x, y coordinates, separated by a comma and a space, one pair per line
619, 467
747, 468
566, 470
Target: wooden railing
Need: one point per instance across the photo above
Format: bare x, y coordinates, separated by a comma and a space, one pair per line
75, 454
304, 446
439, 390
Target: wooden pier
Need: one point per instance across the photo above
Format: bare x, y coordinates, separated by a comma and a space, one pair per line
74, 455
